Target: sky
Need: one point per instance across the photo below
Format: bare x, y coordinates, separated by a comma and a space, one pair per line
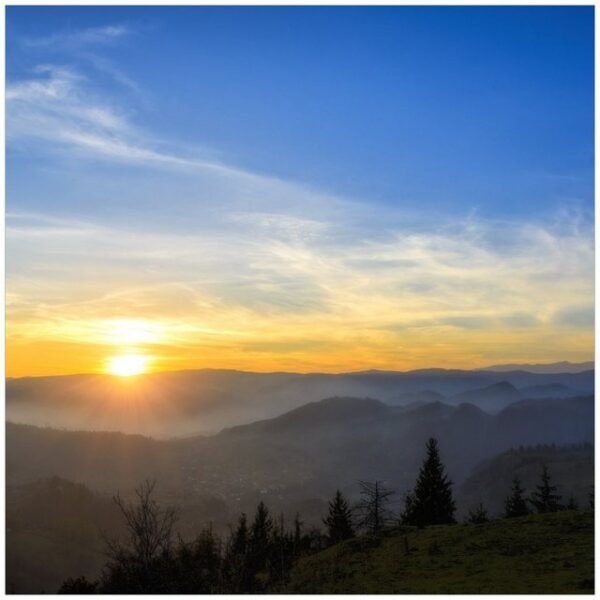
299, 188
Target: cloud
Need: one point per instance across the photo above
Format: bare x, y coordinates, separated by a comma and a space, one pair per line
75, 39
468, 321
575, 315
57, 107
233, 260
520, 320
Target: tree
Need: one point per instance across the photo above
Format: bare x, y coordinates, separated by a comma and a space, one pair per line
195, 567
372, 508
259, 549
282, 555
297, 534
572, 505
80, 585
238, 542
137, 566
478, 515
515, 504
339, 520
237, 571
545, 499
431, 502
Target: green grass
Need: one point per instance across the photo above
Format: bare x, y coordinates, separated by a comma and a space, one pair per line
539, 554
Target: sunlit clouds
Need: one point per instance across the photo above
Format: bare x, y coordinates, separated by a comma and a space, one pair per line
453, 296
179, 259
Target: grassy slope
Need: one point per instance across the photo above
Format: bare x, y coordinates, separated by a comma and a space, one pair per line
538, 554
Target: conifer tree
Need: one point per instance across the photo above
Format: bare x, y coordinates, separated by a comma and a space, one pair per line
236, 563
260, 540
281, 558
195, 567
297, 534
478, 515
545, 499
431, 502
339, 520
515, 504
572, 505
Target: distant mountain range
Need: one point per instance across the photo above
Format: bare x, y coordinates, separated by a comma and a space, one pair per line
205, 401
557, 367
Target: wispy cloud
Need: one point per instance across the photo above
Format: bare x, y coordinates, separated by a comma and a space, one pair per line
75, 39
235, 286
274, 265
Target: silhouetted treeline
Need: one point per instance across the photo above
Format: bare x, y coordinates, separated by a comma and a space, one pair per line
258, 554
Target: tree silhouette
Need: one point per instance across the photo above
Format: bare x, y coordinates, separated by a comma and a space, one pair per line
572, 504
515, 504
195, 567
478, 515
236, 562
282, 555
431, 502
260, 543
372, 508
339, 520
545, 499
137, 566
79, 585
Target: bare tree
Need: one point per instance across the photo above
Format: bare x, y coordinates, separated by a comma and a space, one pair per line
372, 508
149, 527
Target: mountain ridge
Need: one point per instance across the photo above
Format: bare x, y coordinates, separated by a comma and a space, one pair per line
182, 403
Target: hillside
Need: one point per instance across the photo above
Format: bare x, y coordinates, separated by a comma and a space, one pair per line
305, 453
539, 554
491, 398
571, 467
54, 528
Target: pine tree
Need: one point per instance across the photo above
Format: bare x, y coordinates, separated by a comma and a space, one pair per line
515, 504
195, 567
572, 505
262, 527
372, 508
237, 570
339, 520
239, 538
297, 534
260, 542
431, 502
544, 498
281, 558
478, 515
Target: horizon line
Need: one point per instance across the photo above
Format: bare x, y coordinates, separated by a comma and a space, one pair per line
492, 367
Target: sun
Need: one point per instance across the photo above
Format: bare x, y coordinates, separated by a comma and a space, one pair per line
128, 365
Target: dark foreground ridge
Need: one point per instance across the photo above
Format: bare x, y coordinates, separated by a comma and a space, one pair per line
542, 554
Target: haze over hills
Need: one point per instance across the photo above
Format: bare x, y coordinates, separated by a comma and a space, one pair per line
182, 403
305, 453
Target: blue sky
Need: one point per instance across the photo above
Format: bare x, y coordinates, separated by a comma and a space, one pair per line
458, 108
362, 133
